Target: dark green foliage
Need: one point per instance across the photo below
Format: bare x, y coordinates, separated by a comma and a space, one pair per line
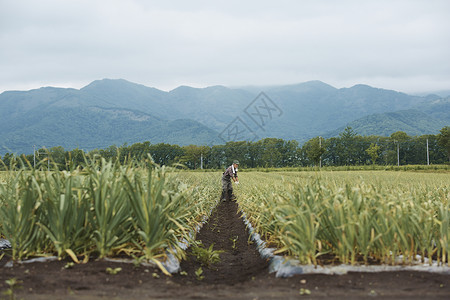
348, 149
444, 140
314, 149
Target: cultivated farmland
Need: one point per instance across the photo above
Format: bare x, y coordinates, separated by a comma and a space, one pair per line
136, 212
351, 217
105, 209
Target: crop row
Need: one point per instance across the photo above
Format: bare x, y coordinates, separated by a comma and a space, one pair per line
103, 209
381, 217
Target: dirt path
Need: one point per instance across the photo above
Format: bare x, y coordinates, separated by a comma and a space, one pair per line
241, 274
240, 260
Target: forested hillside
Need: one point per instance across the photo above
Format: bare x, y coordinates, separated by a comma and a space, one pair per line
116, 112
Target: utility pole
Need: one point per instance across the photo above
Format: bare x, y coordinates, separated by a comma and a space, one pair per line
428, 155
398, 154
201, 161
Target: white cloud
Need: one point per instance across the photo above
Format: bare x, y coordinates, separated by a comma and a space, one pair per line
401, 45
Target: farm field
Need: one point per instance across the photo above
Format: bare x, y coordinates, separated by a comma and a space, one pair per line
351, 217
357, 217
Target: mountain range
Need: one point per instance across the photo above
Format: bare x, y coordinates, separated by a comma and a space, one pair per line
113, 112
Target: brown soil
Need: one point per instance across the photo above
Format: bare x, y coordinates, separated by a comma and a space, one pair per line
241, 274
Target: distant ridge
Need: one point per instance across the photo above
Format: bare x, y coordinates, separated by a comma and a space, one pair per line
115, 111
412, 121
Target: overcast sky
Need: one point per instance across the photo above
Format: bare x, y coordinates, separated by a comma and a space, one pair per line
392, 44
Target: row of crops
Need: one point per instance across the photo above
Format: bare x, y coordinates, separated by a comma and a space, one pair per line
351, 217
104, 209
108, 209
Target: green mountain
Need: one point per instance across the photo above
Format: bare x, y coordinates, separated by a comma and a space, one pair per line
50, 117
425, 118
413, 122
437, 108
315, 108
108, 112
122, 93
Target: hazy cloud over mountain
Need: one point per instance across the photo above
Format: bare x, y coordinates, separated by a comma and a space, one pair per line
400, 45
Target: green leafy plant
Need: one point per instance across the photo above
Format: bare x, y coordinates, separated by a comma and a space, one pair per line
110, 217
234, 241
199, 274
65, 220
69, 265
13, 284
19, 210
160, 210
138, 260
206, 256
305, 292
112, 271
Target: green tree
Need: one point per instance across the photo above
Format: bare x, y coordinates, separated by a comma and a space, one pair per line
373, 152
237, 150
289, 153
314, 149
165, 154
270, 149
330, 156
444, 140
6, 161
192, 155
399, 138
109, 153
139, 150
347, 146
57, 156
217, 158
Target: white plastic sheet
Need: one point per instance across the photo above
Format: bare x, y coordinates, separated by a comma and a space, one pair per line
10, 263
4, 244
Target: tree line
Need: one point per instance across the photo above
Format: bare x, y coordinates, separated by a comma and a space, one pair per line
347, 149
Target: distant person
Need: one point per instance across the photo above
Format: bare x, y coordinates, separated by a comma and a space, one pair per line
227, 186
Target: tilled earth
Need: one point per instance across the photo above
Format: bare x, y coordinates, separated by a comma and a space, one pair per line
240, 274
